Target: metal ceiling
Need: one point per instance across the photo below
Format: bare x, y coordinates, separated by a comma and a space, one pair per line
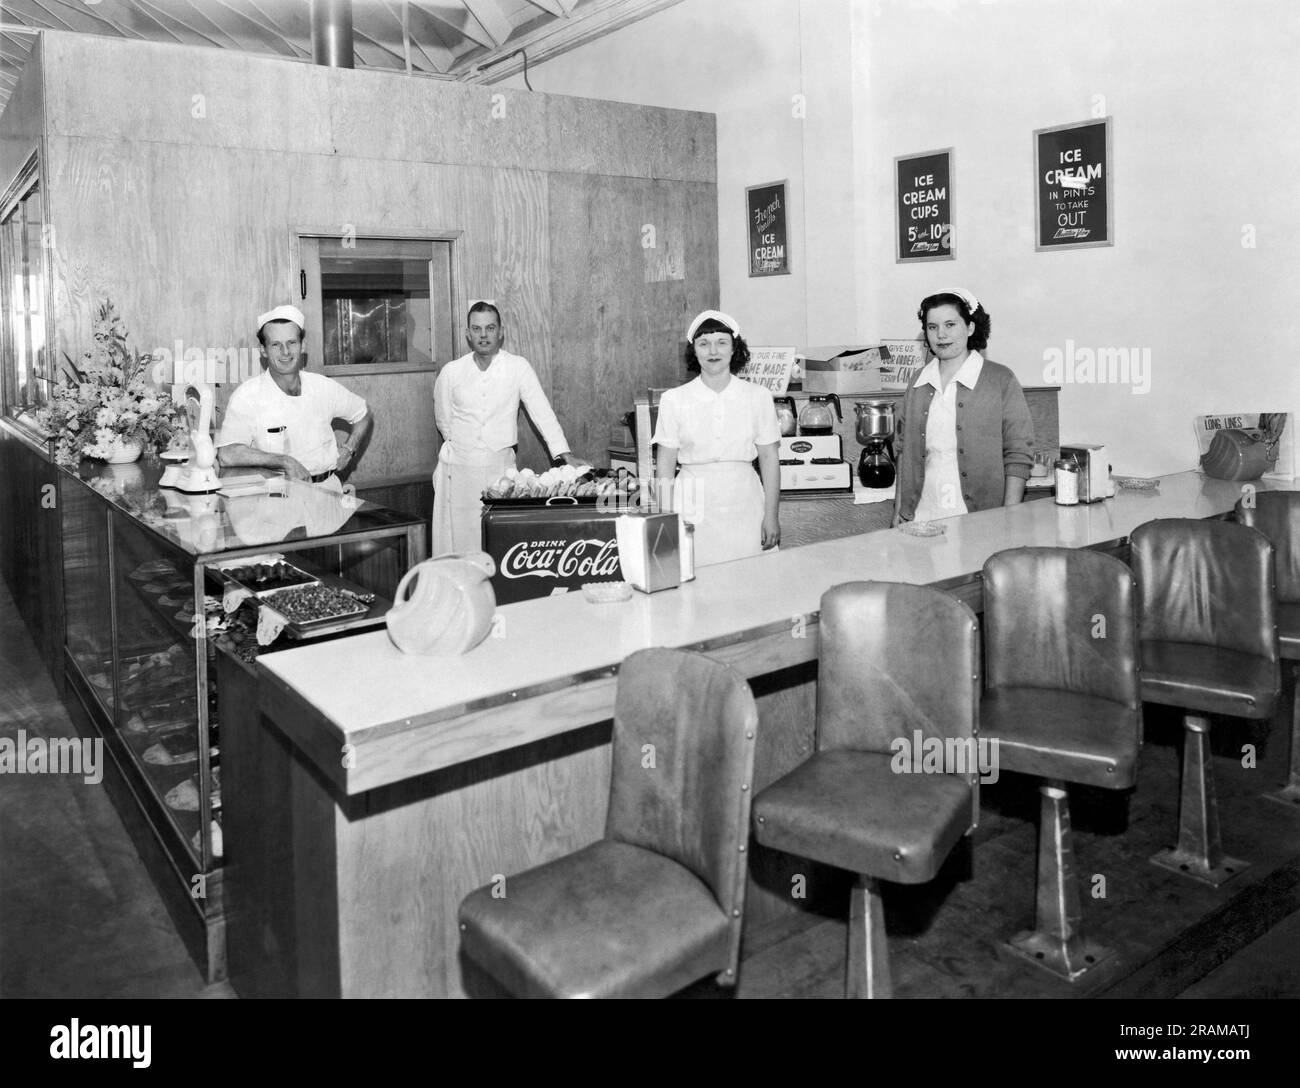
475, 41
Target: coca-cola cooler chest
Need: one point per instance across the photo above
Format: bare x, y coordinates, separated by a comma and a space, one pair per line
540, 550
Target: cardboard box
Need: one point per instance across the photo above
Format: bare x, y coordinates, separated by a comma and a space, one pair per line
842, 369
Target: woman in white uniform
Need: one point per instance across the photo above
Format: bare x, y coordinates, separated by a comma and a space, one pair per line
713, 428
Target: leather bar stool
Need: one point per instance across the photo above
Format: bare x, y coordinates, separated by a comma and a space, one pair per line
1276, 514
898, 663
1062, 701
656, 904
1208, 645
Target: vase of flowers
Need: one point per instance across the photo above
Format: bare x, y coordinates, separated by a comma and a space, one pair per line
104, 406
124, 451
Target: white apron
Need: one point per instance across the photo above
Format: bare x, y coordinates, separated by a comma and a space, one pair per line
457, 501
724, 501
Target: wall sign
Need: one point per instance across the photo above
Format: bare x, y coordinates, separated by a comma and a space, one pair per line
765, 211
923, 200
1073, 199
770, 368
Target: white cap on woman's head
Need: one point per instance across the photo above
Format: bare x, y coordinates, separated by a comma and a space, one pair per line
282, 313
972, 303
713, 315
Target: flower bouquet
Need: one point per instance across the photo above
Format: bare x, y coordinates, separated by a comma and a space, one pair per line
106, 404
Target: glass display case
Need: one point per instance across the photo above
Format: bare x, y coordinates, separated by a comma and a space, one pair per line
146, 596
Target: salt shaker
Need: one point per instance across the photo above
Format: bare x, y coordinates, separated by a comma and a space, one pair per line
1067, 483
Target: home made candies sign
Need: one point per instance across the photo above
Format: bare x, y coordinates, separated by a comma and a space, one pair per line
923, 186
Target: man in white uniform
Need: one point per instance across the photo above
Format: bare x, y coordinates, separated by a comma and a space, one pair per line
476, 407
283, 417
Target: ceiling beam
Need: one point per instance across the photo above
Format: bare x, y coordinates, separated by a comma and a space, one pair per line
464, 25
492, 18
559, 8
599, 18
264, 28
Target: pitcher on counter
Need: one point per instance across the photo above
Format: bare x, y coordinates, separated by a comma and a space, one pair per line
476, 402
964, 438
714, 427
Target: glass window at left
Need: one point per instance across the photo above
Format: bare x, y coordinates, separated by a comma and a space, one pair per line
23, 303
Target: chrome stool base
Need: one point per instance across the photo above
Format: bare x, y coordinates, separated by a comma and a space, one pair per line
1288, 795
1195, 866
1067, 959
1199, 853
868, 963
1058, 944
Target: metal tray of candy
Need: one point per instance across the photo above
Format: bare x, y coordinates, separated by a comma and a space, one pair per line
265, 577
332, 604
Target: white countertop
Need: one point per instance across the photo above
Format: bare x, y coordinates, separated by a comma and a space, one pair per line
362, 683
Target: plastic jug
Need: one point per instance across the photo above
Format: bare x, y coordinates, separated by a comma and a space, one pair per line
444, 606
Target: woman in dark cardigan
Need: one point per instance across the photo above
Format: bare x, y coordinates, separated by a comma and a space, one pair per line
964, 438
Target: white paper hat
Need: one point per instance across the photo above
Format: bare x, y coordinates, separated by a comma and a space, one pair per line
283, 313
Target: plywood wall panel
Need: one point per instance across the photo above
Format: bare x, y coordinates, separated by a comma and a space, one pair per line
620, 333
105, 87
519, 281
135, 90
684, 146
402, 442
181, 239
614, 138
435, 121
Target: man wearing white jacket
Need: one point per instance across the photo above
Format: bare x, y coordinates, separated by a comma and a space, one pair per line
476, 407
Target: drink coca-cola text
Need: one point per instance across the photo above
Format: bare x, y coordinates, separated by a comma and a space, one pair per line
561, 559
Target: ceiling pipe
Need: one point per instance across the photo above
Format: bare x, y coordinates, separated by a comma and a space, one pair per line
331, 33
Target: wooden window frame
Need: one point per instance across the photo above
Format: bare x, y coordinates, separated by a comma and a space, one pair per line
314, 340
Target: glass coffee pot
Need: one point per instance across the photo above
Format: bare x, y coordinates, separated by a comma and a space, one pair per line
875, 431
817, 418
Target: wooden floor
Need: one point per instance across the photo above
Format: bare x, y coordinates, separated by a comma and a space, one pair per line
79, 916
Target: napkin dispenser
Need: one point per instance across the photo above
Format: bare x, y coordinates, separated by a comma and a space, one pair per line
649, 550
1094, 470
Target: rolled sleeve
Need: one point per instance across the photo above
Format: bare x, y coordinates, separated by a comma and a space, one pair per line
347, 405
237, 426
666, 425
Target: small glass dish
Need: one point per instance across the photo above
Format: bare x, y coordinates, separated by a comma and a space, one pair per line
1136, 483
607, 592
922, 528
